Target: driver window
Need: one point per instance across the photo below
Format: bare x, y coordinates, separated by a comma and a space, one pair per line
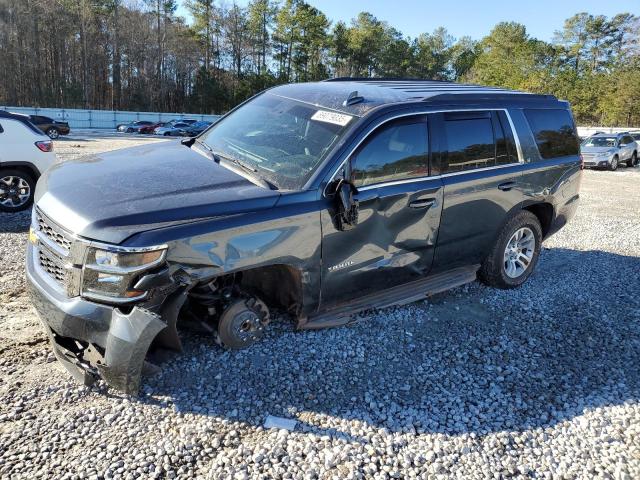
397, 150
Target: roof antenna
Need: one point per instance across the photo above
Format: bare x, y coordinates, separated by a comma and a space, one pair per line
352, 99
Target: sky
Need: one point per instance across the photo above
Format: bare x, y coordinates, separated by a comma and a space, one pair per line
466, 17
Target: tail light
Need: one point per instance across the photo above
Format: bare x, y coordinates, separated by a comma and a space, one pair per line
45, 145
581, 162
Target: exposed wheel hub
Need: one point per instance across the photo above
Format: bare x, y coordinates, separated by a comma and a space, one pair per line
242, 323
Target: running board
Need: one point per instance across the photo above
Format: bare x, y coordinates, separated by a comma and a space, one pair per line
398, 295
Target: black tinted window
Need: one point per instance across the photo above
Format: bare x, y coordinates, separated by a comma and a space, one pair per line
554, 132
470, 141
396, 151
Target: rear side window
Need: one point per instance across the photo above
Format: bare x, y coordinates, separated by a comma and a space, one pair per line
470, 141
395, 151
554, 132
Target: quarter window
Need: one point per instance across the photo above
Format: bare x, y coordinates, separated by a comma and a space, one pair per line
395, 151
554, 132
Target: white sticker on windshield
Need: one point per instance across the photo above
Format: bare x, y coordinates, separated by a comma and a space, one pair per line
331, 117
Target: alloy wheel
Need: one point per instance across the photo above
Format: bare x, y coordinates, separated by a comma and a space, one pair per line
14, 191
518, 254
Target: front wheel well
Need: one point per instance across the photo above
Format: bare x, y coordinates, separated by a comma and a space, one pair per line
28, 169
277, 285
544, 213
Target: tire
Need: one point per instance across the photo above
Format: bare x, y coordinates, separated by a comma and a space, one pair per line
52, 133
633, 161
613, 166
494, 270
12, 183
242, 323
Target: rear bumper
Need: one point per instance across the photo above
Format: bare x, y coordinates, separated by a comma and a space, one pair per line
92, 339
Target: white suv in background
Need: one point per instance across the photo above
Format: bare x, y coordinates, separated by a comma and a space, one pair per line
609, 150
25, 153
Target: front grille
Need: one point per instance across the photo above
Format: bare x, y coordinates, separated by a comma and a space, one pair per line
53, 265
53, 232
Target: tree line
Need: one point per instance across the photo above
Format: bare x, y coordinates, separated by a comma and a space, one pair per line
140, 55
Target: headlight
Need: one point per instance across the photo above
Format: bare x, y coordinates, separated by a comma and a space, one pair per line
109, 275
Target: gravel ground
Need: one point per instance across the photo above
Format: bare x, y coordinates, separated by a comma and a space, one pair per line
541, 382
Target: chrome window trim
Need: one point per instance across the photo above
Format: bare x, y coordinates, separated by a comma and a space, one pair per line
516, 139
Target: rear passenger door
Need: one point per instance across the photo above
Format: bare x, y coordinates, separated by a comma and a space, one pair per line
480, 170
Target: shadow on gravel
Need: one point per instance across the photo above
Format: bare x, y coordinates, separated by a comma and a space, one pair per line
15, 222
472, 360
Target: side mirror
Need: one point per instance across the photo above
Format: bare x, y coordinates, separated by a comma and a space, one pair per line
346, 215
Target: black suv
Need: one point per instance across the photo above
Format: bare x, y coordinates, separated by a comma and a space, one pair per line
319, 199
51, 127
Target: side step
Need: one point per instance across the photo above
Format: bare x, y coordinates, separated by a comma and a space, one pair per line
398, 295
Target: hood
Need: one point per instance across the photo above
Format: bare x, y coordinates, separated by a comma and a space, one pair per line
112, 196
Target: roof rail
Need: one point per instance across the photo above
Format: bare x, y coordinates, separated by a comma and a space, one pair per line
383, 79
493, 95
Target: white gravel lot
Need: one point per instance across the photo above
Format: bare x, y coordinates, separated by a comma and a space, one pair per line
541, 382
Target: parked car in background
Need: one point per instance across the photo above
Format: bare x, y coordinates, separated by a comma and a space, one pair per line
53, 128
172, 130
196, 129
318, 199
136, 126
148, 129
609, 150
25, 153
188, 121
124, 126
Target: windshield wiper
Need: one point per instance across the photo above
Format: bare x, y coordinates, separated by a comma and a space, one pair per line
249, 171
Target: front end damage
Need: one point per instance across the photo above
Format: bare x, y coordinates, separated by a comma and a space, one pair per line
93, 339
96, 340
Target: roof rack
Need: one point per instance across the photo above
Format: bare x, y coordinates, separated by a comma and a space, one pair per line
381, 79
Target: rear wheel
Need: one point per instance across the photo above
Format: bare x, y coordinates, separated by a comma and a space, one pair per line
515, 254
52, 133
16, 190
633, 161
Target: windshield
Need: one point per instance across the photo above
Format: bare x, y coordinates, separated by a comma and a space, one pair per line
600, 142
282, 139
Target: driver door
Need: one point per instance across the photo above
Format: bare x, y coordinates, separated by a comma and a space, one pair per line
399, 208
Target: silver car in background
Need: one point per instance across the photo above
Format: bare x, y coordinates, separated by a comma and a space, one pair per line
608, 150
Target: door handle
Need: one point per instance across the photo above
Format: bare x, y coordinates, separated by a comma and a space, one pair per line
506, 186
425, 203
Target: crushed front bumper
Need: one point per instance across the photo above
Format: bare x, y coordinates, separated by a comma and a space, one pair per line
91, 339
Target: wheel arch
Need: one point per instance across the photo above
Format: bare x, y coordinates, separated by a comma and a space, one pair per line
544, 212
23, 167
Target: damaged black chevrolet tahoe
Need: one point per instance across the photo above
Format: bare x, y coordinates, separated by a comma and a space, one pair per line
318, 199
